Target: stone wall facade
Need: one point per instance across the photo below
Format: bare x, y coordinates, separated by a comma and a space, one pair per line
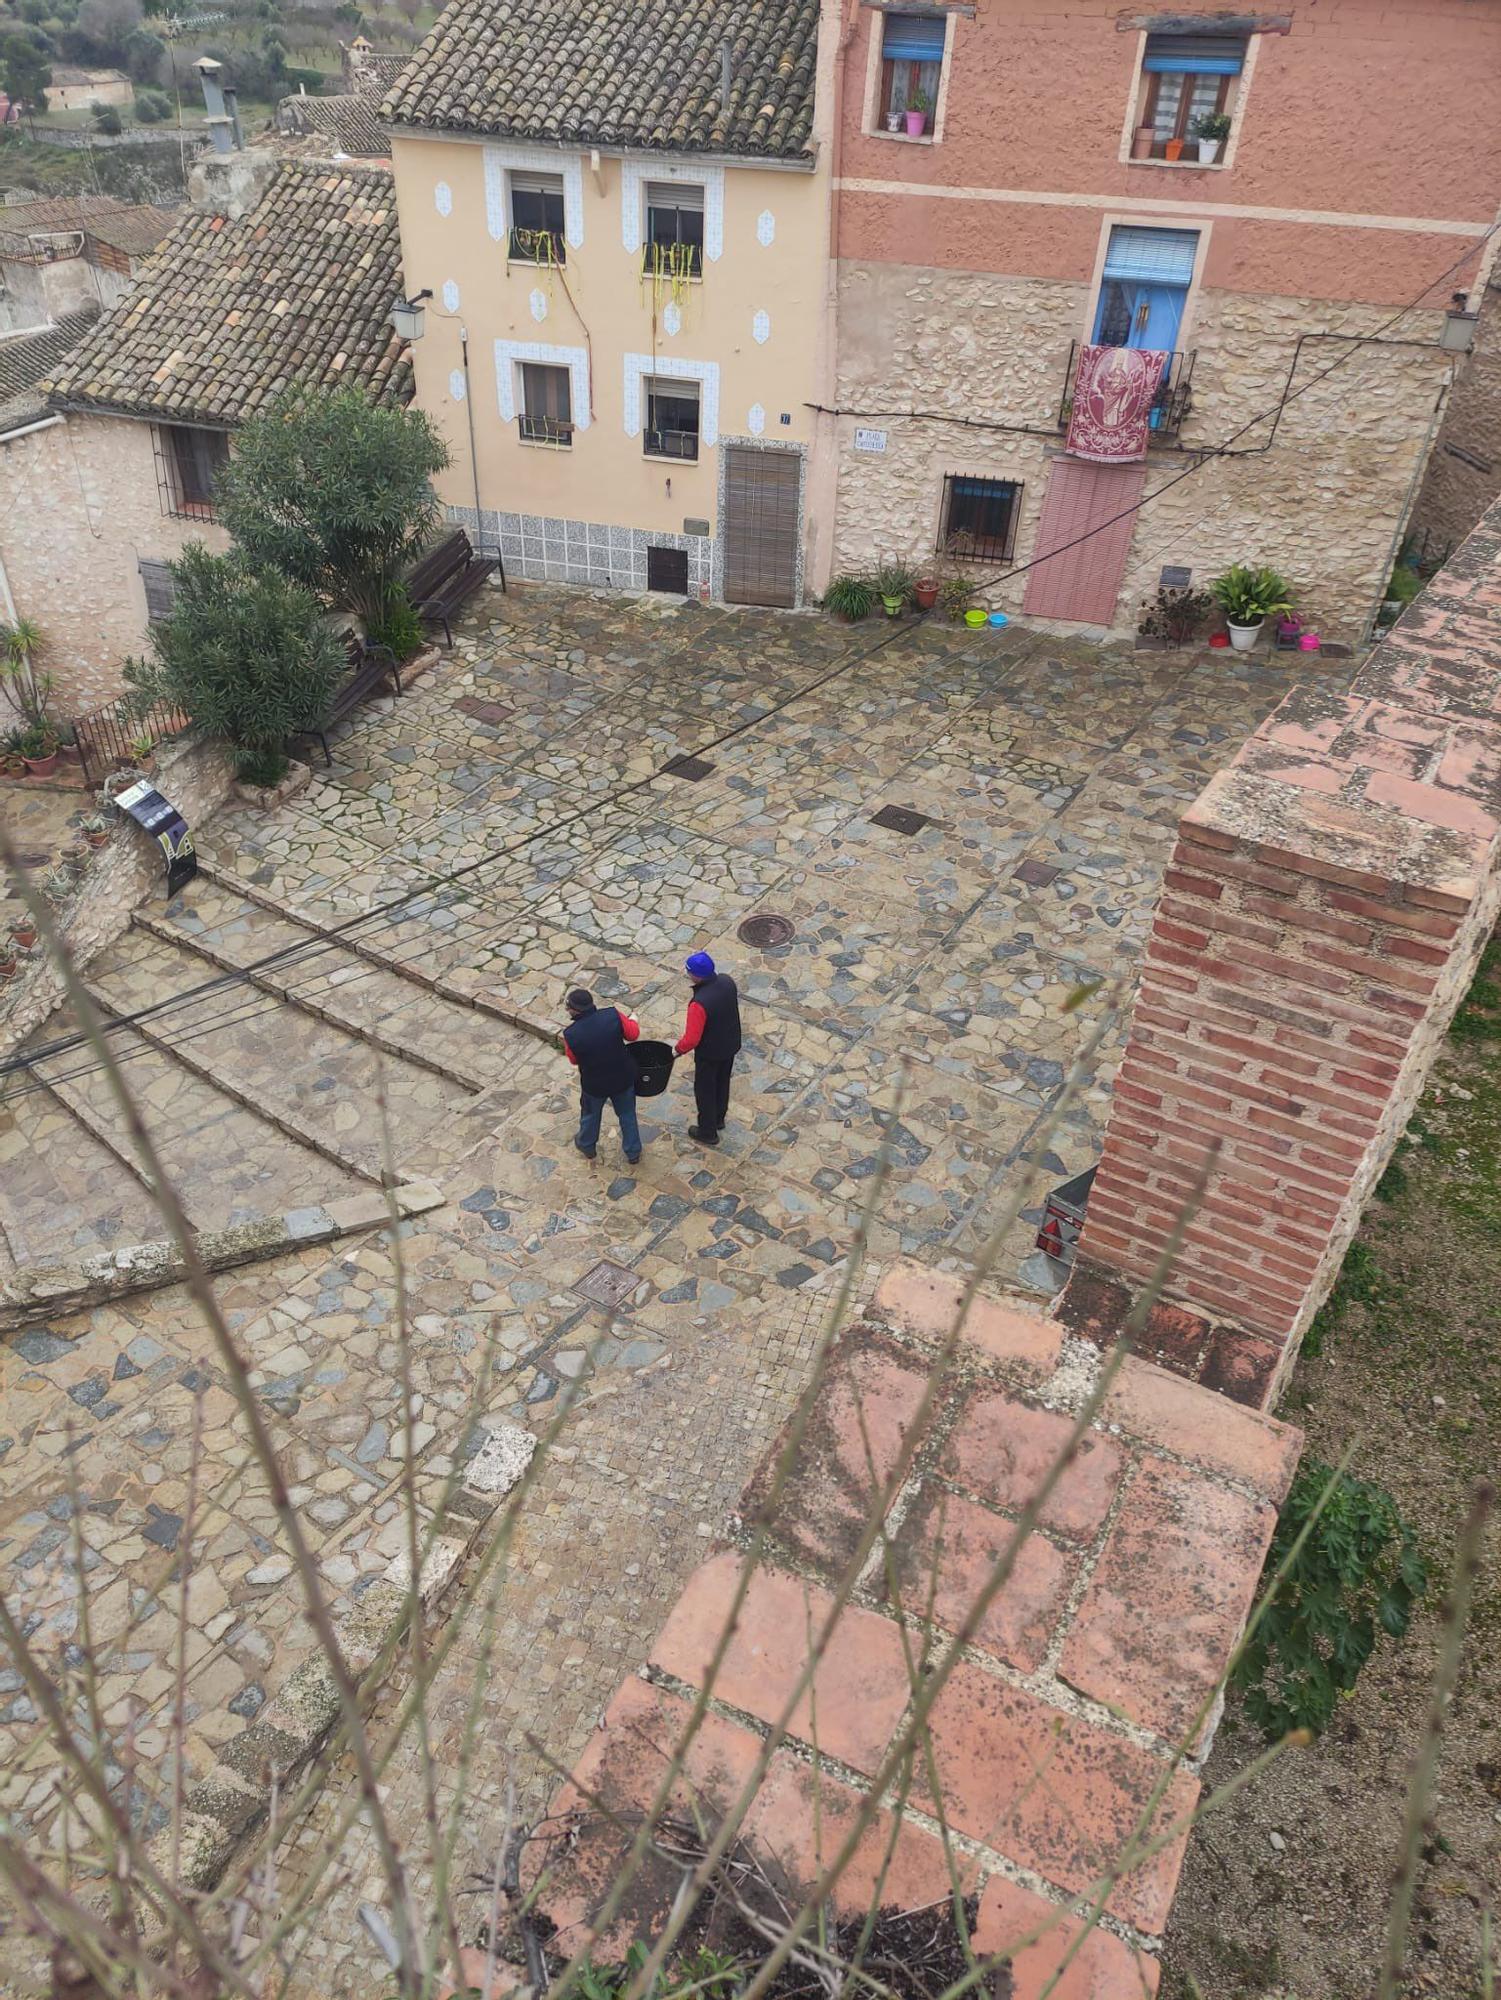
984, 358
1464, 474
1328, 901
87, 511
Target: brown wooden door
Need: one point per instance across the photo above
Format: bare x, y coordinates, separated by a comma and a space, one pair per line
1082, 540
761, 526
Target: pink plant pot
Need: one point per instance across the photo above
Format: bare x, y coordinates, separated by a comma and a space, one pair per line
916, 121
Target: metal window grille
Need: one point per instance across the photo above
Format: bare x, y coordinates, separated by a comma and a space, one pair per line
674, 217
547, 404
671, 420
979, 518
537, 219
188, 462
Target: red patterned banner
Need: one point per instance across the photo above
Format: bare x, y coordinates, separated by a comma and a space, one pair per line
1114, 389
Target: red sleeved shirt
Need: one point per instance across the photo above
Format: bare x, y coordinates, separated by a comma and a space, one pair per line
693, 1029
630, 1028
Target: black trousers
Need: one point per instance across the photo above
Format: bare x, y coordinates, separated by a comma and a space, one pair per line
711, 1092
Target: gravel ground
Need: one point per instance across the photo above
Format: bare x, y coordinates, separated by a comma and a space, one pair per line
1286, 1891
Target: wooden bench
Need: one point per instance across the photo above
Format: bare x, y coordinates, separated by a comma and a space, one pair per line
442, 578
369, 668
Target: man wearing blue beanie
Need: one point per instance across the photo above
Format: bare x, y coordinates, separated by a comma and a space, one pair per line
712, 1031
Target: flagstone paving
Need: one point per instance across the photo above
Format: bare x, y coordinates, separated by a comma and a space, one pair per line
931, 1000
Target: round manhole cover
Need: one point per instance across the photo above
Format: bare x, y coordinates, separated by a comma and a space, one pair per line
766, 932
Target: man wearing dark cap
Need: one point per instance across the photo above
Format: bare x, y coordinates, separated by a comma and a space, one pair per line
595, 1043
712, 1031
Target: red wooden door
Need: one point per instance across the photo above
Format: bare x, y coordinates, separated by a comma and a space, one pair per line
1083, 580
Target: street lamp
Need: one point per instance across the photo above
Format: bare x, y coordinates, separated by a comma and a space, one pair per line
407, 316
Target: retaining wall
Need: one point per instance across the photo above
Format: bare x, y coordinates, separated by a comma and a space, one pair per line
1328, 901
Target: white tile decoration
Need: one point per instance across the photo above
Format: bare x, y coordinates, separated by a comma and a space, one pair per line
672, 317
456, 384
672, 366
761, 328
450, 296
755, 422
766, 228
574, 359
533, 160
443, 198
537, 300
634, 174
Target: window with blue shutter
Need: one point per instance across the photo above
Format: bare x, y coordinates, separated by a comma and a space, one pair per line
1188, 77
911, 64
1144, 287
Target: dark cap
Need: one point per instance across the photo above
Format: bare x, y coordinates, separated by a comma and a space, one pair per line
580, 1000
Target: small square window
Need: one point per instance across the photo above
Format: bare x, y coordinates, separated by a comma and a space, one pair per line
911, 66
546, 405
188, 464
674, 230
979, 518
671, 419
537, 219
1187, 78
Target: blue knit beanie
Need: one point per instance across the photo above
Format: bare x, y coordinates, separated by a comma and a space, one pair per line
700, 965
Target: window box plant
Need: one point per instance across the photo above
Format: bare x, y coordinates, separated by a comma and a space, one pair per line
917, 115
1248, 597
893, 585
1211, 129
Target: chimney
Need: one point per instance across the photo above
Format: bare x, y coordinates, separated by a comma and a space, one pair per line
221, 125
231, 179
232, 107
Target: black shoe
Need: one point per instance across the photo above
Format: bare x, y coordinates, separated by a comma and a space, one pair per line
633, 1159
703, 1138
581, 1153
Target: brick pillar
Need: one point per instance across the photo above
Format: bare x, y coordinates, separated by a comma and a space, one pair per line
1327, 902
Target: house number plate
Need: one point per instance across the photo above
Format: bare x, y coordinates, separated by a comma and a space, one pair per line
870, 440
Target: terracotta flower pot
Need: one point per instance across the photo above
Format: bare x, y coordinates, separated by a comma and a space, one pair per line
925, 593
1142, 140
24, 934
1174, 149
41, 767
97, 839
7, 965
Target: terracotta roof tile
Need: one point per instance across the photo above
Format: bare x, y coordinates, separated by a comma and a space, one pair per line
349, 122
226, 314
26, 359
618, 73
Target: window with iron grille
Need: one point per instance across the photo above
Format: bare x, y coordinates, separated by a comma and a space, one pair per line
911, 63
1187, 77
537, 219
674, 229
979, 518
671, 419
160, 586
546, 405
188, 462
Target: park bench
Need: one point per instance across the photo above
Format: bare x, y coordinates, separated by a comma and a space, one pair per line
444, 576
369, 668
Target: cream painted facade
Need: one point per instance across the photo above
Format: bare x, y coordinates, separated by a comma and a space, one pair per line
752, 337
83, 511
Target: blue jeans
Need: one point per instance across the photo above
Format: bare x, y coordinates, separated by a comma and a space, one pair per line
592, 1111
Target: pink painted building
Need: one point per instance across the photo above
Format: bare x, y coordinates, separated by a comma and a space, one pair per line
1014, 184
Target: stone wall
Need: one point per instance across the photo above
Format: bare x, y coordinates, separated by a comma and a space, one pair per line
1321, 498
1327, 903
87, 510
196, 775
1464, 473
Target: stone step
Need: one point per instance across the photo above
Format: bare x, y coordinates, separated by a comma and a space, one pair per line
63, 1192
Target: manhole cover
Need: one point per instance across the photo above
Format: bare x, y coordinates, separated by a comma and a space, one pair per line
1036, 874
900, 819
607, 1284
691, 768
766, 932
483, 711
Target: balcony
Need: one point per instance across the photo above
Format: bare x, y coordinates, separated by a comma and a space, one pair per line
671, 444
555, 431
1172, 403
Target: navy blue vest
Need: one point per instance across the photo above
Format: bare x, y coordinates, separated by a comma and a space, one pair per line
601, 1051
720, 1000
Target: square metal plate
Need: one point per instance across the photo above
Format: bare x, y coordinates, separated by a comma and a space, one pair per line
1036, 874
483, 711
607, 1284
900, 819
691, 768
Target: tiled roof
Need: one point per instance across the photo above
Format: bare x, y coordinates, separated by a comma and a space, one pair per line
618, 73
378, 72
227, 314
135, 227
350, 123
27, 359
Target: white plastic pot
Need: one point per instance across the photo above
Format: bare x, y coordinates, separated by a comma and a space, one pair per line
1244, 637
1209, 150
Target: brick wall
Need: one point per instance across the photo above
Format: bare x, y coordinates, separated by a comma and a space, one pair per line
1328, 899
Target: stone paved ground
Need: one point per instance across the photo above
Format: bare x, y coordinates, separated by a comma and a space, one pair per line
1052, 774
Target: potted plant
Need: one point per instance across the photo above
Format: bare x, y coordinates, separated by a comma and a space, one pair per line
893, 121
23, 931
917, 114
95, 830
1211, 129
1142, 141
925, 591
849, 597
7, 961
1175, 615
892, 583
1248, 597
1173, 150
59, 883
953, 596
38, 748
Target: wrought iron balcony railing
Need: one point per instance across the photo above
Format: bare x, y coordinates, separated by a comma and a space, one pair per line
547, 430
1172, 403
671, 444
